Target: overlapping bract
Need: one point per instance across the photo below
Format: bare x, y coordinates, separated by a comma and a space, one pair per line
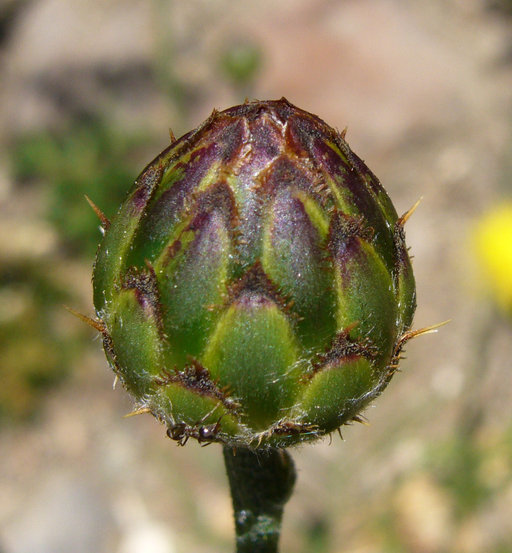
255, 287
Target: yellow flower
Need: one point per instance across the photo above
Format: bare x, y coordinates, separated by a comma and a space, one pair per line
493, 247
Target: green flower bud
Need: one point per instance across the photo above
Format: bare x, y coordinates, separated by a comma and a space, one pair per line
254, 288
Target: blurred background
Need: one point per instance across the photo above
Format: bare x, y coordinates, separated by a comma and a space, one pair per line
88, 91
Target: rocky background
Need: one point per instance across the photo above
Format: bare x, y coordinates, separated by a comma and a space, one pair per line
88, 91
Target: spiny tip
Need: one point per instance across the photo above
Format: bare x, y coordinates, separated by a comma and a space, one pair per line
421, 331
404, 218
93, 323
171, 135
105, 222
141, 411
361, 419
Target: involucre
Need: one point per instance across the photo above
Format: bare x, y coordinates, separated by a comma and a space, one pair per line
255, 288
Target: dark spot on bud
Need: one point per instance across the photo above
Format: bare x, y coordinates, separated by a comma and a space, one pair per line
285, 172
256, 288
197, 379
144, 284
344, 348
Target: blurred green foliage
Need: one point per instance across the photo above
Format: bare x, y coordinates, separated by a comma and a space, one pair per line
35, 356
241, 63
457, 466
89, 158
467, 473
317, 535
503, 6
385, 525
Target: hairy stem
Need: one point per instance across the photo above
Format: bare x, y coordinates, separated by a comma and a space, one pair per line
261, 482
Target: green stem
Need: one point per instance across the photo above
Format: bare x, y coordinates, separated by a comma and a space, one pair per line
261, 482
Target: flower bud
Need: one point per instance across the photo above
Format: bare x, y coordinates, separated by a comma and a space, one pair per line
255, 287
